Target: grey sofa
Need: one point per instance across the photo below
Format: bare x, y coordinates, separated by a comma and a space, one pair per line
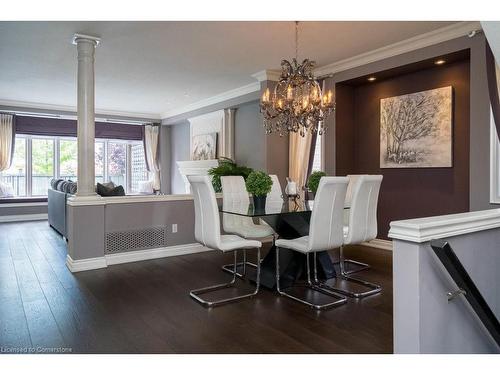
57, 210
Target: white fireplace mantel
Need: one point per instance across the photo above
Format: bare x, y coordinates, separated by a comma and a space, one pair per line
196, 168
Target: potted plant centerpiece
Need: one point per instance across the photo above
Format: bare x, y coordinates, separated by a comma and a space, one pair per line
313, 181
227, 167
259, 184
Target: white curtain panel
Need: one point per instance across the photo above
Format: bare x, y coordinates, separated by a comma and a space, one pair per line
6, 140
299, 153
151, 142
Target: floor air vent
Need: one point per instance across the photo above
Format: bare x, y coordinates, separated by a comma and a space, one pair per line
136, 239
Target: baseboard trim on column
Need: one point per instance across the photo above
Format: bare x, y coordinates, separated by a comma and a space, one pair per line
132, 256
79, 265
379, 244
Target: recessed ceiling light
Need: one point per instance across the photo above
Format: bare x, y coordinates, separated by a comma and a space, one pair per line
371, 79
439, 62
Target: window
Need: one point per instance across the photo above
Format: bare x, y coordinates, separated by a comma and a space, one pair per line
15, 176
117, 163
42, 165
67, 159
99, 161
138, 171
39, 159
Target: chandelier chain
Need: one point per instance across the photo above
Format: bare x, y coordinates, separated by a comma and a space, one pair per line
296, 40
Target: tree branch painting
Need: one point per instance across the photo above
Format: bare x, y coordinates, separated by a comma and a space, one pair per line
416, 130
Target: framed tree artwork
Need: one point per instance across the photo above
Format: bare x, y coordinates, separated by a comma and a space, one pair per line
416, 130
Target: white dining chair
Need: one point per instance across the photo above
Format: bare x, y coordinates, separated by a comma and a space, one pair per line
325, 233
276, 194
362, 227
235, 198
207, 232
353, 179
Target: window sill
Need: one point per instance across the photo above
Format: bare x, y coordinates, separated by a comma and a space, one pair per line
23, 201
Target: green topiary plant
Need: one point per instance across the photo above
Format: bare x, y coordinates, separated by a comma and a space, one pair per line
313, 181
227, 167
259, 183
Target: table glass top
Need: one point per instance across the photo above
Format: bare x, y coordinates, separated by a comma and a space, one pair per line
272, 208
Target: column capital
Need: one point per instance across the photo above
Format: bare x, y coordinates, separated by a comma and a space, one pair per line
87, 38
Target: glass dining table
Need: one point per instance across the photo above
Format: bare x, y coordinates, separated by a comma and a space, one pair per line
289, 219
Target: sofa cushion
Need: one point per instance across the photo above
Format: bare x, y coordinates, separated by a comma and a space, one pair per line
71, 187
103, 191
54, 182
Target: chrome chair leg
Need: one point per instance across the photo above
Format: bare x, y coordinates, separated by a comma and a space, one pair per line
361, 266
230, 269
339, 299
364, 266
195, 294
372, 288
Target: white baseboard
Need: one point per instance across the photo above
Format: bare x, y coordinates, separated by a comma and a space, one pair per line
132, 256
162, 252
27, 217
379, 244
85, 264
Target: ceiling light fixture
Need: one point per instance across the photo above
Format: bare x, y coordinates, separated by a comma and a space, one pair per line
439, 62
371, 79
297, 103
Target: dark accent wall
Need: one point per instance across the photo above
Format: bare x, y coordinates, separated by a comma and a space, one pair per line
409, 192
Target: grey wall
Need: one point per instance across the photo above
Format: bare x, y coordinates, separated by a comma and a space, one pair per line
479, 109
85, 231
165, 155
136, 216
179, 151
249, 136
88, 225
249, 142
424, 320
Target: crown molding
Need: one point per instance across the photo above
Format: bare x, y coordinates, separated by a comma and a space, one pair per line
267, 75
67, 108
440, 35
227, 95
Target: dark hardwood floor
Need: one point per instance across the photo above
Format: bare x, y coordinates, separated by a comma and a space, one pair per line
144, 307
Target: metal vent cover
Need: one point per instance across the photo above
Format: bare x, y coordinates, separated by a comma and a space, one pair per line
136, 239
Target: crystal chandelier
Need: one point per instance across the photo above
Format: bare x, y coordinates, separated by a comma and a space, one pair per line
297, 103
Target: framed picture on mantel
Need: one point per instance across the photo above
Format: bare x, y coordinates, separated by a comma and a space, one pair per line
416, 130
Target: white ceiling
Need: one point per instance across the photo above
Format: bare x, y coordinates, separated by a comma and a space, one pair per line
148, 68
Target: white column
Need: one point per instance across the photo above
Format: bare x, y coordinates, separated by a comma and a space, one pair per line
86, 114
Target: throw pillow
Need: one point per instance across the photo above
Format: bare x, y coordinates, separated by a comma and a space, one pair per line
54, 182
6, 190
103, 191
71, 187
60, 185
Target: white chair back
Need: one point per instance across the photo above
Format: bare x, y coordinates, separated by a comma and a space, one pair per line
363, 209
276, 193
326, 227
234, 198
353, 178
234, 189
207, 225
